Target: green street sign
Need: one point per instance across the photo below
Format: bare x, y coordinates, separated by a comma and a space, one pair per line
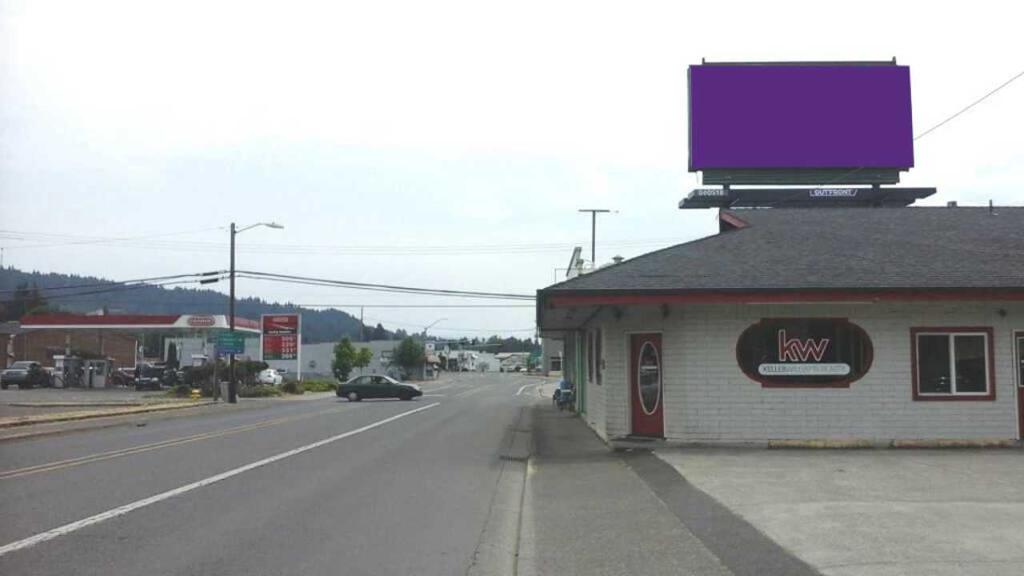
229, 343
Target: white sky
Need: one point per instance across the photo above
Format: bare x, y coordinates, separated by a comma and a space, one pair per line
415, 124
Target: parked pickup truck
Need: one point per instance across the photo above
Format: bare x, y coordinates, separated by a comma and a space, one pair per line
26, 374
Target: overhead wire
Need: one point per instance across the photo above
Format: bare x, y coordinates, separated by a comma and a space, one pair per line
945, 121
346, 250
117, 282
287, 278
99, 239
448, 328
118, 288
971, 105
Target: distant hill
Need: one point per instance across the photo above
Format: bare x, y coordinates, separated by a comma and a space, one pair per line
317, 325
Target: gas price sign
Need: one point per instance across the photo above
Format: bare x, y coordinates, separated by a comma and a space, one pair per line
280, 336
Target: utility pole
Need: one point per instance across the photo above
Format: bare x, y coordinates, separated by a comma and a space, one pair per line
232, 387
593, 232
362, 327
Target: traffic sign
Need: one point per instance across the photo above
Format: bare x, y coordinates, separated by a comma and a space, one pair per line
230, 343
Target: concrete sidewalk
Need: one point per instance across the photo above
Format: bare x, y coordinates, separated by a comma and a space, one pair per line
586, 512
874, 512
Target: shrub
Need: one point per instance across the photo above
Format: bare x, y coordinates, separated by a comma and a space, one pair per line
247, 370
180, 391
292, 387
258, 391
319, 385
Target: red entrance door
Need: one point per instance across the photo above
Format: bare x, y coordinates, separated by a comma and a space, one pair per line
645, 385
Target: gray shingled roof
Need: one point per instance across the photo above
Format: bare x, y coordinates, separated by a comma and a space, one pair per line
832, 248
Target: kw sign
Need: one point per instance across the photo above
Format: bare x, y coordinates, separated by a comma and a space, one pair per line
804, 352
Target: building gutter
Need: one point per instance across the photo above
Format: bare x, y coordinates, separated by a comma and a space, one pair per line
618, 298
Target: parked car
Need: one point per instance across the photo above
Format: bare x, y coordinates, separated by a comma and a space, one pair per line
152, 376
270, 376
26, 374
377, 386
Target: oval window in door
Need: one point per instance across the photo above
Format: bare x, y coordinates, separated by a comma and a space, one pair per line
648, 378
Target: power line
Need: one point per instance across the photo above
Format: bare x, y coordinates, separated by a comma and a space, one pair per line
382, 287
101, 239
449, 328
120, 282
939, 125
969, 106
118, 288
335, 250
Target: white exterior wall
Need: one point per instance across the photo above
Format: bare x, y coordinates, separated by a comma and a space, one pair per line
596, 394
707, 398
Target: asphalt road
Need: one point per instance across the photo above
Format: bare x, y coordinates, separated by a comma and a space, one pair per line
305, 487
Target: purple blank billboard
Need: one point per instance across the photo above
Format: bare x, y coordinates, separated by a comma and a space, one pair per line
800, 116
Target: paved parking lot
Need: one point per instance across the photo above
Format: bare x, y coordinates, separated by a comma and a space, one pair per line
875, 512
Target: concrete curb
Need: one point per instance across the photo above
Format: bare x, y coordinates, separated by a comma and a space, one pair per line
72, 416
621, 444
76, 404
981, 443
497, 551
824, 444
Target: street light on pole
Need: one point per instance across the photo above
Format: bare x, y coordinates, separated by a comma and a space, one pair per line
593, 232
232, 387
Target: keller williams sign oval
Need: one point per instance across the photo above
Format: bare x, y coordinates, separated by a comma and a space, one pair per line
804, 352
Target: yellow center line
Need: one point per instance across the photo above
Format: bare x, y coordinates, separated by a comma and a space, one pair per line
71, 462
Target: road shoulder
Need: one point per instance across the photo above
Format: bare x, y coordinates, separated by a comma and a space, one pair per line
497, 551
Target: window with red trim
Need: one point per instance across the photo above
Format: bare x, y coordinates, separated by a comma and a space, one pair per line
953, 364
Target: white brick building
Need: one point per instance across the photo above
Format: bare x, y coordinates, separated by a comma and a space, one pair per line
746, 336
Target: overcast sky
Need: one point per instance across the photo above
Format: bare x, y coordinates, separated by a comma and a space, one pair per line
459, 138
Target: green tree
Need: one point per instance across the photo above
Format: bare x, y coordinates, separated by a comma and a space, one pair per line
378, 332
25, 301
344, 359
363, 358
408, 354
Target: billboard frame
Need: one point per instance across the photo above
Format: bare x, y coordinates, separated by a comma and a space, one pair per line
780, 176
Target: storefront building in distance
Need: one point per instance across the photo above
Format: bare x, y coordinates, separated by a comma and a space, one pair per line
864, 324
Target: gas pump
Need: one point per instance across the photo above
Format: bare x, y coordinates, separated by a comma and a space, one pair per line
96, 372
68, 371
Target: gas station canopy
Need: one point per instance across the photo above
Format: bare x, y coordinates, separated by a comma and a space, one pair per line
185, 323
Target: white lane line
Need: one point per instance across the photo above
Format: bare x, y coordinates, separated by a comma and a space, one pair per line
122, 510
523, 387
